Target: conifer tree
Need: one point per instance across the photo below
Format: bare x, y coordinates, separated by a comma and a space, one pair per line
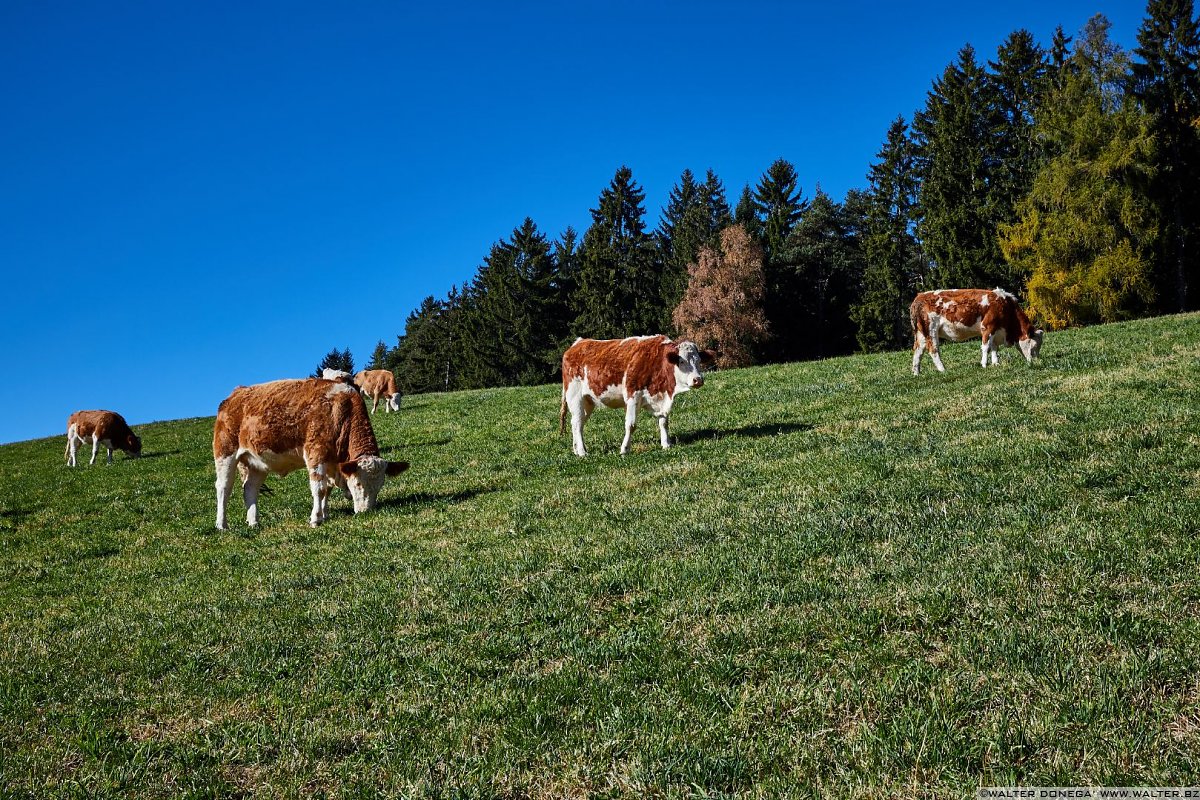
894, 266
620, 285
723, 304
746, 215
1166, 80
954, 135
779, 203
712, 194
335, 359
378, 356
682, 231
828, 265
1086, 230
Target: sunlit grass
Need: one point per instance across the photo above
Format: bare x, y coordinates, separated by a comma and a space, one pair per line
844, 581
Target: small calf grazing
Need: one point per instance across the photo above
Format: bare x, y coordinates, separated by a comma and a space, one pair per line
636, 372
379, 384
285, 425
106, 428
992, 315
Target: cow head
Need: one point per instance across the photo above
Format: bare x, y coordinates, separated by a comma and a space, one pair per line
1032, 344
687, 359
133, 445
394, 402
365, 477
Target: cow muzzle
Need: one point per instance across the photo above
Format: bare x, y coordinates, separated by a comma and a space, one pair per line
697, 381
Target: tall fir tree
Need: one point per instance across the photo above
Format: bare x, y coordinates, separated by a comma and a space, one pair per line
712, 193
746, 214
1086, 230
620, 285
682, 231
1165, 78
779, 202
894, 265
378, 356
827, 263
955, 144
335, 359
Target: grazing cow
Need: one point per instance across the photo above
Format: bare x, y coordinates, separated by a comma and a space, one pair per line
992, 315
376, 384
106, 428
335, 375
285, 425
638, 371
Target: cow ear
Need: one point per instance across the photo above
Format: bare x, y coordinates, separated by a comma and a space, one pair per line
394, 468
348, 468
708, 356
673, 356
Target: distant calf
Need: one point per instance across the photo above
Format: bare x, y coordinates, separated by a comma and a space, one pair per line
992, 315
285, 425
637, 372
379, 384
106, 428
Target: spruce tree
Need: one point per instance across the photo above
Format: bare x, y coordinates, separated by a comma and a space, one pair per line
779, 203
894, 265
955, 144
746, 215
1165, 78
378, 356
682, 231
335, 359
712, 194
620, 286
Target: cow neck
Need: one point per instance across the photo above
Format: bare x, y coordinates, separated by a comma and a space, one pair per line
360, 436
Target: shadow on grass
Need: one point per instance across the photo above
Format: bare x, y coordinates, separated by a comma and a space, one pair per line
162, 454
432, 498
746, 432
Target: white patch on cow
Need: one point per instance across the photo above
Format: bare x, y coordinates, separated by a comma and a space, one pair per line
366, 481
226, 469
985, 300
613, 396
1001, 293
1032, 345
942, 327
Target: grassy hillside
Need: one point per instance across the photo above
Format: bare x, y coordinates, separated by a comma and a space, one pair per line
843, 581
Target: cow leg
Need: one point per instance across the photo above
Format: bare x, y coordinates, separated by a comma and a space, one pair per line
72, 448
580, 408
374, 403
252, 481
662, 432
631, 406
109, 452
95, 447
320, 494
932, 343
918, 346
986, 347
226, 467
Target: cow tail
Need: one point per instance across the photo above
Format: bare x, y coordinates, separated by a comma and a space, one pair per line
919, 322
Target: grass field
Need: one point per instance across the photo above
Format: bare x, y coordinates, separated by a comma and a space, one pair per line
843, 581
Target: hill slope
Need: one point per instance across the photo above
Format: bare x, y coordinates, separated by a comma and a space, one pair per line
844, 580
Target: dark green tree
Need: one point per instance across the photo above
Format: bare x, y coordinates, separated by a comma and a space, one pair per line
1019, 78
619, 289
956, 149
894, 265
746, 215
378, 356
682, 230
779, 203
712, 193
1166, 80
827, 263
335, 359
425, 355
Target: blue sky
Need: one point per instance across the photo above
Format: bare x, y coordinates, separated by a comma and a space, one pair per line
196, 196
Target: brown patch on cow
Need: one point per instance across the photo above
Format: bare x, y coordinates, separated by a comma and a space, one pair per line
325, 420
636, 363
107, 426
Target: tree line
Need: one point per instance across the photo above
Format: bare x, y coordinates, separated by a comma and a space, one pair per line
1068, 174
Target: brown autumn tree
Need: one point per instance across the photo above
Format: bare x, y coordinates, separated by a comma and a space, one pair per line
722, 306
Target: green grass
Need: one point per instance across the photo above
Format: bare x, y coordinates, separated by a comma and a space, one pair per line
843, 581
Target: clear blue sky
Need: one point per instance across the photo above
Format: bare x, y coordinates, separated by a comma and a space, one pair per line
199, 195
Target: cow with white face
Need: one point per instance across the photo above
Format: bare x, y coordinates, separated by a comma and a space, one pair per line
992, 315
632, 373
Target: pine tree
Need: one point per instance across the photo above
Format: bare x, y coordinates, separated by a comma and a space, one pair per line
379, 356
954, 135
1086, 229
682, 231
828, 265
779, 203
746, 215
712, 194
335, 359
1166, 80
620, 286
723, 304
894, 265
425, 354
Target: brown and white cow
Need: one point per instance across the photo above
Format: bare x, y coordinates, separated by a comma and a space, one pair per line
640, 371
992, 315
377, 384
106, 428
286, 425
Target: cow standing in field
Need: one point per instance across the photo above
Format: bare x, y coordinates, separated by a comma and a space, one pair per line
640, 371
106, 428
992, 315
377, 384
282, 426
